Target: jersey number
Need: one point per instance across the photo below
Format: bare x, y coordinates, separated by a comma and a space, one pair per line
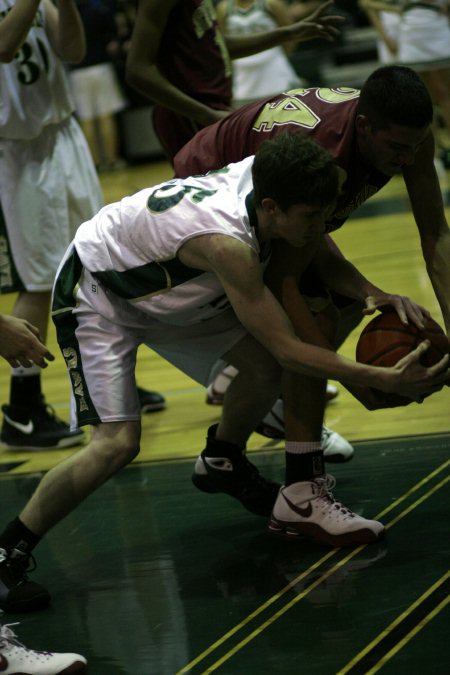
29, 68
292, 110
168, 196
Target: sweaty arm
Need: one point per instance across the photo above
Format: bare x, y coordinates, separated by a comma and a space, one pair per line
142, 72
428, 208
15, 26
279, 10
239, 271
65, 30
316, 25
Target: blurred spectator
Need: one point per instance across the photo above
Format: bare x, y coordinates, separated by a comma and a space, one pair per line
96, 89
386, 24
266, 72
422, 42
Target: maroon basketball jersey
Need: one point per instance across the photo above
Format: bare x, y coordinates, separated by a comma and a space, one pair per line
194, 58
328, 115
193, 55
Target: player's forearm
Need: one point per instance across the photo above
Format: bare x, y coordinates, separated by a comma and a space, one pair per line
341, 276
246, 45
14, 28
436, 252
70, 38
318, 362
147, 80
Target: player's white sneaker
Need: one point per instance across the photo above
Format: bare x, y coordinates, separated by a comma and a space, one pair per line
216, 390
309, 509
15, 659
335, 447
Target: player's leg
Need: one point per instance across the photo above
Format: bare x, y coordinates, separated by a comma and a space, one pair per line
87, 340
28, 422
37, 234
305, 505
223, 465
112, 446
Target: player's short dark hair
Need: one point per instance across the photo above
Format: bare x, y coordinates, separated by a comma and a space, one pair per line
395, 95
293, 169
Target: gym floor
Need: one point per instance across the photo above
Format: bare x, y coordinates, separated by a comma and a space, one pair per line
151, 577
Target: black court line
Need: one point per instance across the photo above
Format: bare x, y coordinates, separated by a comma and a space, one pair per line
308, 573
400, 631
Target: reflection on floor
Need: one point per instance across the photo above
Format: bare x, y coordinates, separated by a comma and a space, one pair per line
151, 577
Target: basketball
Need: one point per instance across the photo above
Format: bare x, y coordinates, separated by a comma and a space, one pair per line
385, 340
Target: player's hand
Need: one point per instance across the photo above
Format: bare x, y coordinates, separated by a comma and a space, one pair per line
409, 378
20, 344
407, 309
316, 25
374, 399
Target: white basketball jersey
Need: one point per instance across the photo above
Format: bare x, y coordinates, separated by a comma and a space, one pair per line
131, 246
34, 90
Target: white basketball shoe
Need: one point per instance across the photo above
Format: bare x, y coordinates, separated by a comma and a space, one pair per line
16, 659
309, 509
335, 448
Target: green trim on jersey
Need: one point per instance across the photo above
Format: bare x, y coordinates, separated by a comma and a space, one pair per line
149, 279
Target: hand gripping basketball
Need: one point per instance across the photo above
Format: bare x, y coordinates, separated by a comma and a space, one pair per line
386, 341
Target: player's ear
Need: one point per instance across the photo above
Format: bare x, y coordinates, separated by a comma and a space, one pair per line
269, 205
362, 124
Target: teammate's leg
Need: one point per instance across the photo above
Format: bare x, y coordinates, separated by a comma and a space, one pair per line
223, 465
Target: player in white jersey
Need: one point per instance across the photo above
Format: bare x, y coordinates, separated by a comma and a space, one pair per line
48, 185
267, 72
180, 267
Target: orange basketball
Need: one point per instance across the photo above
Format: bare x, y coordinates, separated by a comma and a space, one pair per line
385, 340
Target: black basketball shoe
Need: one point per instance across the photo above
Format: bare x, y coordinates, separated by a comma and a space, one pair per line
233, 474
17, 592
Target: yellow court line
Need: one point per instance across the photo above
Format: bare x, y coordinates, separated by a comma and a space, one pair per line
394, 624
416, 487
302, 576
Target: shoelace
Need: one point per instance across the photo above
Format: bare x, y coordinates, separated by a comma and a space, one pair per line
8, 638
18, 565
7, 635
325, 487
326, 433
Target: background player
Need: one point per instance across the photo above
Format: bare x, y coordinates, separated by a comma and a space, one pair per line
48, 185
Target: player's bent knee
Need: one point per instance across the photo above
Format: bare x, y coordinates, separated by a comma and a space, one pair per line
116, 443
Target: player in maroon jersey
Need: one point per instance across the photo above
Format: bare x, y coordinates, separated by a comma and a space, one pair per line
374, 134
179, 58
